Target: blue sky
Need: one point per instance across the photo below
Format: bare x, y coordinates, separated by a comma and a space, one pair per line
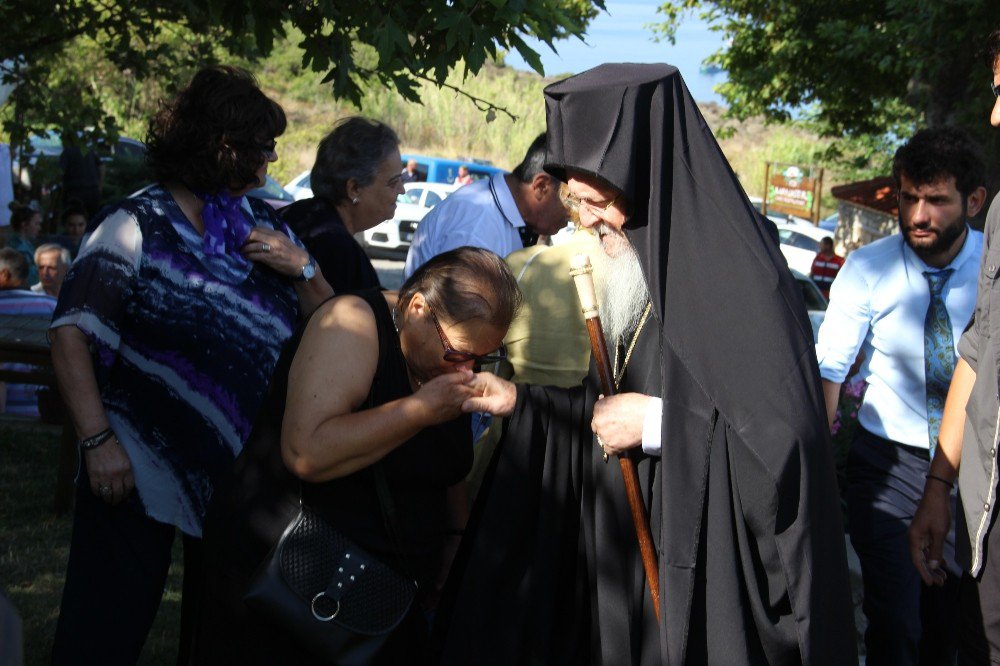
621, 35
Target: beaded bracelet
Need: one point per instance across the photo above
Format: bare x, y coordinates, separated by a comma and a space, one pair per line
950, 484
92, 442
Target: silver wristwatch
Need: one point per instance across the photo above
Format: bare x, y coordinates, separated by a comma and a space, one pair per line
308, 271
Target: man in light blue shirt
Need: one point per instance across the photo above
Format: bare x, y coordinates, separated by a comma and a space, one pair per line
905, 300
493, 213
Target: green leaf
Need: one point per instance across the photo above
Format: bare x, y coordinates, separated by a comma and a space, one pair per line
529, 55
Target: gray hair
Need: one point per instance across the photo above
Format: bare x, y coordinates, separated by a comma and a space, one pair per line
64, 256
533, 161
354, 149
14, 263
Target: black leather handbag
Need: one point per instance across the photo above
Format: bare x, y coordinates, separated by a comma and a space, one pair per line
334, 599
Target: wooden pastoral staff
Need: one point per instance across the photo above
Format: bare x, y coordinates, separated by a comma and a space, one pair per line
582, 273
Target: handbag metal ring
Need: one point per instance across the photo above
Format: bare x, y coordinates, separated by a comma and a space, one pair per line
322, 618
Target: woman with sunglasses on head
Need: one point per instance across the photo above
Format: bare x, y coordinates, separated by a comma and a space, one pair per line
376, 379
168, 327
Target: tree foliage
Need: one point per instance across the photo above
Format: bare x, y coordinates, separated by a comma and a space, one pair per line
861, 69
58, 53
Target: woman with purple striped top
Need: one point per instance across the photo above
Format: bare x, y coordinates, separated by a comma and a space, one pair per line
168, 327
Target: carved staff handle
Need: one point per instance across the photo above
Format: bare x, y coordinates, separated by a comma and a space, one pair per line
582, 273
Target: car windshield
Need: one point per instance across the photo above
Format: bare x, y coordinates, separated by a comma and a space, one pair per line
411, 196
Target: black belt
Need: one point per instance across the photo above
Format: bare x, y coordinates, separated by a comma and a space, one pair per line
917, 451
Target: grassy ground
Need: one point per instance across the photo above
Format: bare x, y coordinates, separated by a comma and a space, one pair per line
34, 546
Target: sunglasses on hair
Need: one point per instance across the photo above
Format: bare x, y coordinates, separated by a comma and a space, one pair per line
452, 355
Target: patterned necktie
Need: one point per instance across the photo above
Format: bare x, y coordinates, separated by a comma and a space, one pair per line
939, 353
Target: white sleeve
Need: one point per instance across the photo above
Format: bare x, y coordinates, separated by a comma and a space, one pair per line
651, 427
845, 327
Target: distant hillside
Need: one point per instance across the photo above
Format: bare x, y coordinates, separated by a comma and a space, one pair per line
449, 125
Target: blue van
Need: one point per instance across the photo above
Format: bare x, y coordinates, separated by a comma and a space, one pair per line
440, 170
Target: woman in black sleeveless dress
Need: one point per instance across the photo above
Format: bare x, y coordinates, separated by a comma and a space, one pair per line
372, 378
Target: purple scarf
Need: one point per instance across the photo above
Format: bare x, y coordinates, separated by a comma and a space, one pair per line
226, 227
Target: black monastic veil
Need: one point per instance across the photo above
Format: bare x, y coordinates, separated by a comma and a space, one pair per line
743, 500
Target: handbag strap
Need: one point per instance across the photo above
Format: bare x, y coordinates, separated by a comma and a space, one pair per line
389, 518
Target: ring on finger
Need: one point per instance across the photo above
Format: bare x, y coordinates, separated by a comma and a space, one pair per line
265, 247
104, 491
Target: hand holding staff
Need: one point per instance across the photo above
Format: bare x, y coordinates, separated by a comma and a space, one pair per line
581, 270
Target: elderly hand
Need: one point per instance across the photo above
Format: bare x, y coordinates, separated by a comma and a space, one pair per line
110, 471
276, 251
492, 395
618, 421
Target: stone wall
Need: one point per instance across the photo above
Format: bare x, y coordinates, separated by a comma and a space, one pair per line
859, 226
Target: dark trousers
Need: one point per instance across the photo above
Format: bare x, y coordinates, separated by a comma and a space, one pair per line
118, 563
908, 622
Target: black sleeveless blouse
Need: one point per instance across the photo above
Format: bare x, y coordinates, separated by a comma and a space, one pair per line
252, 507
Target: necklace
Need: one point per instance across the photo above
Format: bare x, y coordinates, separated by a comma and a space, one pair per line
631, 347
619, 372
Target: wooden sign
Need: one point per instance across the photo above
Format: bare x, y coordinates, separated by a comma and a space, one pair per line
793, 190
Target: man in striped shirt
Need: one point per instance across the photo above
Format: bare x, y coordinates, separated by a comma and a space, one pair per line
17, 299
825, 266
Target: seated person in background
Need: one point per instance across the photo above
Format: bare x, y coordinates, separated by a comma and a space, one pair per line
825, 266
16, 299
355, 181
463, 177
410, 173
74, 222
52, 261
376, 379
25, 223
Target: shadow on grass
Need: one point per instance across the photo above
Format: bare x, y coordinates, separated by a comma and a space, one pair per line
34, 546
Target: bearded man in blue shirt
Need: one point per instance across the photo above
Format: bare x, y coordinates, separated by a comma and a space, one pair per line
905, 300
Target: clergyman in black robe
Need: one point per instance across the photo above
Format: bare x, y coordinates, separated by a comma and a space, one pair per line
741, 496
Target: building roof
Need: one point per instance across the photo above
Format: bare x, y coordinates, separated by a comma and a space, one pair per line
878, 194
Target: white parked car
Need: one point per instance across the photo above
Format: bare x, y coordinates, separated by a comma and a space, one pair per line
815, 302
800, 243
411, 206
300, 187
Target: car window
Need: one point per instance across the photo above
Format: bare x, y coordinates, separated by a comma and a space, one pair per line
806, 242
433, 199
811, 295
413, 195
130, 150
795, 239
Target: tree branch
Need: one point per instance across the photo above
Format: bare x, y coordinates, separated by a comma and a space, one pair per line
480, 103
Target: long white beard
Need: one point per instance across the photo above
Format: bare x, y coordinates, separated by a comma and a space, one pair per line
624, 295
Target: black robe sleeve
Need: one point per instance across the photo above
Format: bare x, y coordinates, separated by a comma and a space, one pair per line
515, 595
